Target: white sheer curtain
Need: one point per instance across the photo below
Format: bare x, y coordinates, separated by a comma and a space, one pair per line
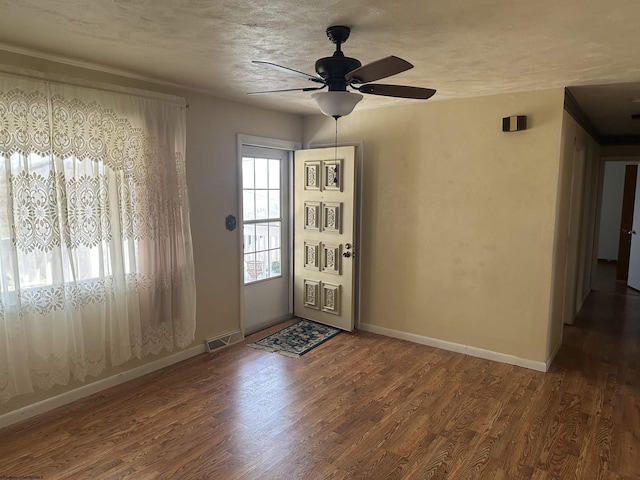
95, 244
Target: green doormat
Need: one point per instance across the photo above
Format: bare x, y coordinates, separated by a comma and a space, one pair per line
297, 339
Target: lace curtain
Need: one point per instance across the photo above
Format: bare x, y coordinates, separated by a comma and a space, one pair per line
95, 244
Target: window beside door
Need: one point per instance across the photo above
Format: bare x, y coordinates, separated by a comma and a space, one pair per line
262, 218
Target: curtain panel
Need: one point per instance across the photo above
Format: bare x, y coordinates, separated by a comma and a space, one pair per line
95, 245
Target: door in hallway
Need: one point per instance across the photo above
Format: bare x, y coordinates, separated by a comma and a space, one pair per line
633, 279
626, 222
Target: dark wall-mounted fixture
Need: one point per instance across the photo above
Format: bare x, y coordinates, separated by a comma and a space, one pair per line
514, 124
230, 223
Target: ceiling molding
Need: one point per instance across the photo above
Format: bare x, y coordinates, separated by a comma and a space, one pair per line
620, 140
573, 109
98, 68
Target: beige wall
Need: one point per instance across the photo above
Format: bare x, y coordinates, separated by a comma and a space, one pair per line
459, 218
212, 126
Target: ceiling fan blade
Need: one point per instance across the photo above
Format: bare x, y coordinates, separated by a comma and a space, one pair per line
383, 68
307, 89
290, 71
401, 91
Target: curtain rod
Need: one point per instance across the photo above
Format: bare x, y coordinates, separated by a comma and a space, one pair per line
152, 95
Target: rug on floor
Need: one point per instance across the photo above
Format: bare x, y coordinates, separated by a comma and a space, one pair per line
297, 339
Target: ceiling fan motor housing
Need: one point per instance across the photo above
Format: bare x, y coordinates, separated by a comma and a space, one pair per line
333, 70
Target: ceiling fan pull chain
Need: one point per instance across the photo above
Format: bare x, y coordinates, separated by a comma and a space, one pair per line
335, 148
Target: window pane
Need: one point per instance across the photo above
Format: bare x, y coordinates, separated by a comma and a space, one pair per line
250, 274
262, 204
248, 205
247, 172
262, 173
5, 229
249, 238
8, 280
262, 236
262, 264
261, 183
274, 203
274, 263
274, 235
86, 263
36, 268
274, 174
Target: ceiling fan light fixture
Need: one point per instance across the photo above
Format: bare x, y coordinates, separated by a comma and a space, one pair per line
336, 104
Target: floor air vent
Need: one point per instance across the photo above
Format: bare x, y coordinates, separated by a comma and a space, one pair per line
219, 342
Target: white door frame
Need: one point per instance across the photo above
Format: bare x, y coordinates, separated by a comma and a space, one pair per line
264, 142
573, 231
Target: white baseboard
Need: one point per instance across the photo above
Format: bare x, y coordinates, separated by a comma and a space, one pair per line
95, 387
458, 348
553, 354
269, 323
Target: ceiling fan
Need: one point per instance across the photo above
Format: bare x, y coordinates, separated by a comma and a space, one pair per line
339, 72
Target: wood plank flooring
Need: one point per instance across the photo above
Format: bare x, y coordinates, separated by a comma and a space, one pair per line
359, 406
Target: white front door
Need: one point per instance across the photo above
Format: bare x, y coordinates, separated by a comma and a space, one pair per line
633, 280
324, 272
265, 227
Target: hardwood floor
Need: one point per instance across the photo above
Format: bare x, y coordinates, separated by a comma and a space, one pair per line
606, 280
359, 406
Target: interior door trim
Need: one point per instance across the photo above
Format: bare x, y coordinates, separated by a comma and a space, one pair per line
253, 141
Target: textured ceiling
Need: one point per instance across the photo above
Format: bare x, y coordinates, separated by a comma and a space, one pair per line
462, 48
